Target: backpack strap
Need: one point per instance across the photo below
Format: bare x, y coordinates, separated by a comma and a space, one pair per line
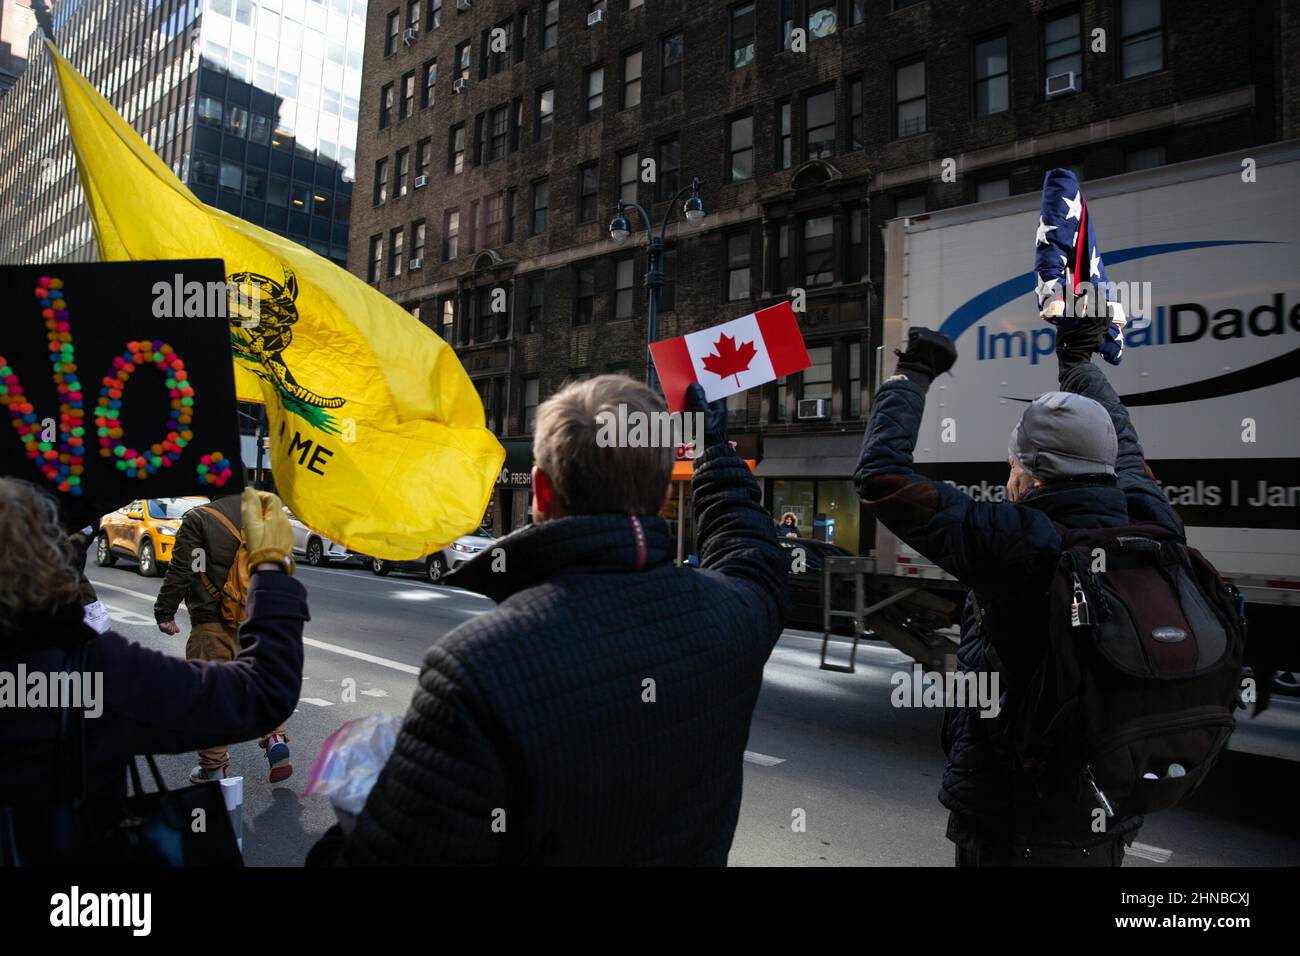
206, 581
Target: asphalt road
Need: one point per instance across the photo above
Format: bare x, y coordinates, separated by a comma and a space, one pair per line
827, 750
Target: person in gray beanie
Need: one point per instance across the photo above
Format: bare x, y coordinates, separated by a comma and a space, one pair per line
1075, 462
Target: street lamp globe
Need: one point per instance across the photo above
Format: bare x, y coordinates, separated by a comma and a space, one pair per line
694, 209
619, 229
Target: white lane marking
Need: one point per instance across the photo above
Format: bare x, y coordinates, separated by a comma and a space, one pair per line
316, 701
361, 656
441, 589
1153, 853
121, 615
113, 587
375, 692
763, 760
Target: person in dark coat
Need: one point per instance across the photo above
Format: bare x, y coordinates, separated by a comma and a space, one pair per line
1076, 463
599, 714
140, 701
789, 525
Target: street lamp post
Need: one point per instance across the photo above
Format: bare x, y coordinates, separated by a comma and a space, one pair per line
620, 229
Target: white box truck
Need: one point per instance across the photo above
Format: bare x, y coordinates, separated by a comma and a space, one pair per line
1210, 251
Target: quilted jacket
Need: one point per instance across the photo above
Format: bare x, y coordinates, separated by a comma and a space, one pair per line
1006, 553
598, 714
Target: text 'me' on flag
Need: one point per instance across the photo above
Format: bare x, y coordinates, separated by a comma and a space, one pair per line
747, 351
377, 435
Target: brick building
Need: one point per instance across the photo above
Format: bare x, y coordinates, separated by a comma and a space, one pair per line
497, 135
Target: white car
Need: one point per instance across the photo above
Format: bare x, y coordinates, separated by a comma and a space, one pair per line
434, 567
316, 549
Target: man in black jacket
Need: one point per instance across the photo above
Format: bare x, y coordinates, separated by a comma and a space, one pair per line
599, 714
1075, 463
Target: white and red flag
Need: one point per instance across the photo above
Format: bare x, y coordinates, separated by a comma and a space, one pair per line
731, 357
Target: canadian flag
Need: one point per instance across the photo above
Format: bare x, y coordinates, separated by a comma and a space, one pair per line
731, 357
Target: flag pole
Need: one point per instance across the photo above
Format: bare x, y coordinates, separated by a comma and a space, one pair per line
44, 20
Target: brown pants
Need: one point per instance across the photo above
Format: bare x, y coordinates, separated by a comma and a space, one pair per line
214, 642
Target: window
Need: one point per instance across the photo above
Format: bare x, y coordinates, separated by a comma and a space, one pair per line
381, 181
784, 136
450, 234
499, 59
510, 200
545, 114
423, 156
448, 328
521, 35
631, 80
407, 106
413, 15
909, 99
493, 215
376, 262
1141, 39
633, 4
231, 176
857, 266
403, 172
737, 267
740, 149
908, 206
588, 187
628, 178
817, 377
536, 302
595, 86
237, 121
818, 251
668, 164
857, 12
822, 18
670, 64
541, 201
385, 105
395, 253
623, 279
742, 35
853, 98
435, 14
499, 133
584, 292
430, 82
1148, 158
550, 24
462, 60
417, 242
1063, 47
456, 149
392, 32
992, 189
471, 230
819, 124
531, 399
209, 111
786, 20
991, 79
784, 274
853, 384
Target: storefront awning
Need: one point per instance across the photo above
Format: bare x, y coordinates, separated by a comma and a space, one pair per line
810, 456
682, 470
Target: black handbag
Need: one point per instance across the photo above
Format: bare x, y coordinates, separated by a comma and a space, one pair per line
185, 827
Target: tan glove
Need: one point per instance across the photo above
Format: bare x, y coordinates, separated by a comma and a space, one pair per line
267, 532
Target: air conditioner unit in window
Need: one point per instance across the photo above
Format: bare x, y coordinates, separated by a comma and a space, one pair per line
596, 16
462, 5
410, 35
460, 86
416, 264
813, 409
1059, 84
421, 181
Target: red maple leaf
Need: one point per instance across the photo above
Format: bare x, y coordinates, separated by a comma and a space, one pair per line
730, 360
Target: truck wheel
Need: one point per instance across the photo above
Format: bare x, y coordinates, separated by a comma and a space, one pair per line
103, 553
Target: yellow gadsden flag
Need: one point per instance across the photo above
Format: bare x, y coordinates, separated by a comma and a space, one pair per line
377, 434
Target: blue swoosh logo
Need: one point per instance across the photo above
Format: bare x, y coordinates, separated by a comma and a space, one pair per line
971, 311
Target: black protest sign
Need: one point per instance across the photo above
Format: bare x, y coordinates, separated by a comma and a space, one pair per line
117, 383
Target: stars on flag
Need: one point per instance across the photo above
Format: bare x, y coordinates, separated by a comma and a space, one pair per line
1073, 206
1040, 238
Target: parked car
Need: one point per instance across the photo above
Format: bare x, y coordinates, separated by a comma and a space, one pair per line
144, 532
316, 549
434, 567
806, 600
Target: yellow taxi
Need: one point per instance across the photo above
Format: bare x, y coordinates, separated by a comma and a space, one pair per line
144, 532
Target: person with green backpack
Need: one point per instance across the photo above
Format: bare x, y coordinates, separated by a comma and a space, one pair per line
210, 572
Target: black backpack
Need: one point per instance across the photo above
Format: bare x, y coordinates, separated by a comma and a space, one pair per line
1134, 698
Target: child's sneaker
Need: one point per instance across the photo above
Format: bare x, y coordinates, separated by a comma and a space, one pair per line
204, 774
277, 755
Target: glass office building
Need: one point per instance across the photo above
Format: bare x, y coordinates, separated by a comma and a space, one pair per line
252, 103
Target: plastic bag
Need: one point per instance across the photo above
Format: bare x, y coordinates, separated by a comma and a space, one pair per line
349, 762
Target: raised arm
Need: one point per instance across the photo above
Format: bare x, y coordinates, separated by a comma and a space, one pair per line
1078, 374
